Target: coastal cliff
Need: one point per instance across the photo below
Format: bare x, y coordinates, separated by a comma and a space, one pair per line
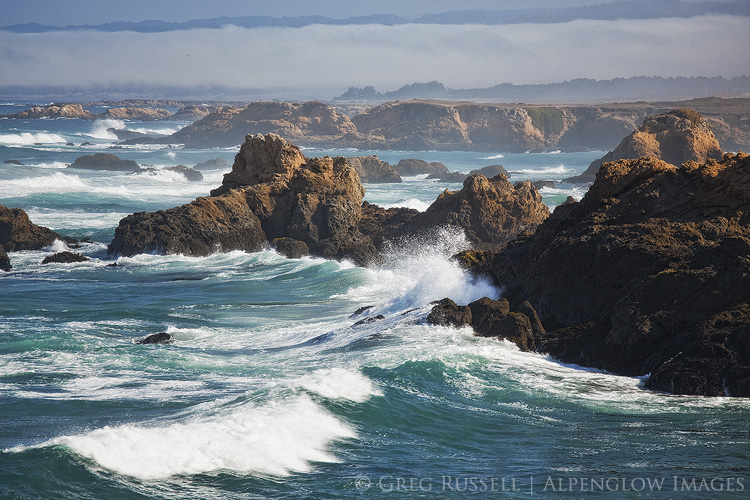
648, 274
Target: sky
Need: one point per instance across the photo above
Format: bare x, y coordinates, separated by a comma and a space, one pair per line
324, 61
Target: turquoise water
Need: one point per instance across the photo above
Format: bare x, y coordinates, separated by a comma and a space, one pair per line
270, 390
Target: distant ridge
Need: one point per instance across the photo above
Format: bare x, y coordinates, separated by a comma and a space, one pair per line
578, 90
623, 9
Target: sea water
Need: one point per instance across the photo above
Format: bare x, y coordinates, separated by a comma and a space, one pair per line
271, 388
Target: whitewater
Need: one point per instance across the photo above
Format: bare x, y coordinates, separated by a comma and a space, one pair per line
273, 385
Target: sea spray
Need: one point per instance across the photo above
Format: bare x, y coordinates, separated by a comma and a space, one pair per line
101, 129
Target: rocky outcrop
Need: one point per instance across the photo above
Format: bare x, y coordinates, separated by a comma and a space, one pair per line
381, 225
306, 123
488, 171
212, 164
455, 177
4, 260
273, 191
192, 112
415, 166
490, 211
17, 232
156, 338
64, 258
54, 111
648, 273
142, 114
188, 173
676, 136
372, 169
490, 318
13, 162
104, 161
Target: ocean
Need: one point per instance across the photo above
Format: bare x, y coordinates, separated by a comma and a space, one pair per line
270, 388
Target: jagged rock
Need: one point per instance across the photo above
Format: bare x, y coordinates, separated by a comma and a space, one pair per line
213, 164
372, 169
676, 137
544, 184
13, 162
17, 232
273, 191
64, 258
143, 114
648, 273
204, 226
415, 166
291, 248
569, 200
490, 171
448, 313
360, 311
54, 111
104, 161
383, 225
156, 338
490, 211
4, 260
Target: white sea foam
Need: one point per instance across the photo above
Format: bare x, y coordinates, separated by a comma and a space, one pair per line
495, 157
560, 169
278, 438
161, 131
339, 383
58, 246
54, 164
410, 203
100, 129
420, 270
29, 139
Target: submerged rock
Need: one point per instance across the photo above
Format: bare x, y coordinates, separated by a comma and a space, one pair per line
676, 137
213, 164
65, 258
13, 162
156, 338
649, 273
104, 161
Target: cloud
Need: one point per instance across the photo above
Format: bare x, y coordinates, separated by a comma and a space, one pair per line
336, 57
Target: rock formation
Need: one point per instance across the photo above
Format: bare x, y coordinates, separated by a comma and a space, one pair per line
488, 171
189, 173
676, 136
104, 161
64, 258
372, 169
54, 111
192, 113
273, 191
17, 232
156, 338
142, 114
490, 211
4, 260
213, 164
306, 123
415, 166
649, 273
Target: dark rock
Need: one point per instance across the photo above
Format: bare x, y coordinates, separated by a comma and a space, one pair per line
290, 248
69, 144
544, 184
87, 143
372, 169
13, 162
676, 137
414, 166
648, 273
448, 313
368, 320
569, 200
360, 311
156, 338
104, 161
64, 258
490, 211
189, 173
4, 260
490, 171
124, 135
449, 176
17, 232
383, 225
213, 164
486, 314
